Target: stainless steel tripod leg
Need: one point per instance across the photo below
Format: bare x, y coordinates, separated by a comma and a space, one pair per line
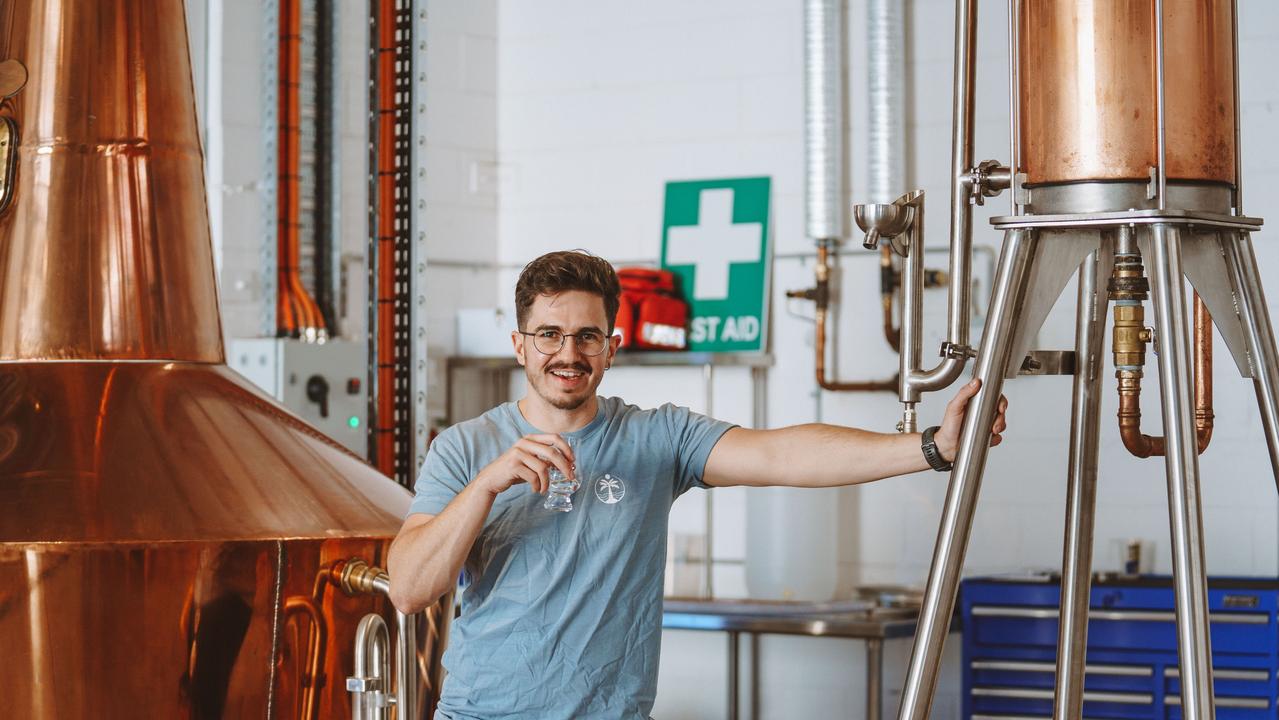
1081, 494
1172, 334
965, 479
1259, 334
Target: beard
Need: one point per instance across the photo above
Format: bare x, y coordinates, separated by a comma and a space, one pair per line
560, 401
565, 403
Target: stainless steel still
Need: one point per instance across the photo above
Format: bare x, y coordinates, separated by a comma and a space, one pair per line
1124, 130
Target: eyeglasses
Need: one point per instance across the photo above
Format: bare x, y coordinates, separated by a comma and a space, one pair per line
549, 342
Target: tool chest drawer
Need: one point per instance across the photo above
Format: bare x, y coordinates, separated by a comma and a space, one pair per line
1010, 648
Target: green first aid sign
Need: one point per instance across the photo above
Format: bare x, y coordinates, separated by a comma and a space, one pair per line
715, 240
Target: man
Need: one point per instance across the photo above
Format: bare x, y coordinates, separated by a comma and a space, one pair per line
561, 617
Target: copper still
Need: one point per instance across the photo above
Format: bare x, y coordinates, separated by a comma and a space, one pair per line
1088, 71
1088, 78
173, 543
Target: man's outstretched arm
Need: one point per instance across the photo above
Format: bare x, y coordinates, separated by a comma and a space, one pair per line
817, 455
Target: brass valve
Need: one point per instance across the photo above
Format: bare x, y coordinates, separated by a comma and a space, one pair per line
1130, 335
1129, 288
357, 577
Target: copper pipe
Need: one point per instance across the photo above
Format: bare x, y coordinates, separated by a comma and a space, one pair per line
314, 318
288, 313
822, 298
1142, 445
297, 312
311, 673
888, 281
1203, 375
388, 48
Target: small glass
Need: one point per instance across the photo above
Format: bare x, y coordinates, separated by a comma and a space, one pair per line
560, 495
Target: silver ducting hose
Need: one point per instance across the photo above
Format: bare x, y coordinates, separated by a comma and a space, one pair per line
886, 58
825, 171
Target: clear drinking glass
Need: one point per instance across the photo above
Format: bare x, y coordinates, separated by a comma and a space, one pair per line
560, 495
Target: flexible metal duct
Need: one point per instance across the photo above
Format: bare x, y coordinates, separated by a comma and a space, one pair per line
824, 116
886, 59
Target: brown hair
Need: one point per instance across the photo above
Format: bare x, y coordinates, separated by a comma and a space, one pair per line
563, 270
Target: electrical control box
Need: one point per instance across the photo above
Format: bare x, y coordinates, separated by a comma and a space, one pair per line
322, 383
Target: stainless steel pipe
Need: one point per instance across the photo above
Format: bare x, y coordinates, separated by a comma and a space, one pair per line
1161, 106
1190, 579
1259, 334
1081, 493
874, 679
965, 480
912, 319
368, 687
914, 380
961, 212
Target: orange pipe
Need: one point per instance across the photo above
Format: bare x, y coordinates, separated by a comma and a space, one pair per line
823, 300
296, 310
384, 450
891, 334
1142, 445
287, 316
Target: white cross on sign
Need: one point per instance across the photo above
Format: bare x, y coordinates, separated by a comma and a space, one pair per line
713, 244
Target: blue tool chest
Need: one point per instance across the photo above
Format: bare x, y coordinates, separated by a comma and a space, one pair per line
1010, 648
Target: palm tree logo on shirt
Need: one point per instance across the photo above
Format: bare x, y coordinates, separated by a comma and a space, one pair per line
610, 489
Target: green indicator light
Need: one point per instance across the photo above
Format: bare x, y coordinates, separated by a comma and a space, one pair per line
354, 421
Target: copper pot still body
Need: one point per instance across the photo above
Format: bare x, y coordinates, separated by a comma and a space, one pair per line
1088, 91
169, 535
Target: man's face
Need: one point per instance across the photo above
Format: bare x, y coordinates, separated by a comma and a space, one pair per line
568, 378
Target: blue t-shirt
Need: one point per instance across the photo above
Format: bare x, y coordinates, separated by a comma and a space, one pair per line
561, 614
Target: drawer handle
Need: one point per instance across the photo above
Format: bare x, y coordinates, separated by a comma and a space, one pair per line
1119, 615
1014, 717
1228, 702
1227, 674
1029, 694
1019, 666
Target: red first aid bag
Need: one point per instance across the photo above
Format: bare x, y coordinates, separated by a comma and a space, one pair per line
651, 316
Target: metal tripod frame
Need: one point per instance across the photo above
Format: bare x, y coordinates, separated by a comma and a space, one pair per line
1040, 253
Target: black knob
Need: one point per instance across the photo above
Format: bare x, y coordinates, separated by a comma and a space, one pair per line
317, 391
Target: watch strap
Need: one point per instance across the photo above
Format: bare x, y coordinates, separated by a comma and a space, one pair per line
931, 453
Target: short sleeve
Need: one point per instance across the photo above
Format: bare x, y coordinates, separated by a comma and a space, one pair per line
692, 437
443, 476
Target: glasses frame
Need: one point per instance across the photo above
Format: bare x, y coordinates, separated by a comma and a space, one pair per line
564, 340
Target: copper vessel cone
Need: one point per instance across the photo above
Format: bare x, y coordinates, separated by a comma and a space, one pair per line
168, 531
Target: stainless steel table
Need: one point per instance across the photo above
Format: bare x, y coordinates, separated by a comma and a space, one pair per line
860, 620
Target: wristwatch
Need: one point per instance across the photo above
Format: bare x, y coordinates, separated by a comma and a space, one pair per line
932, 454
